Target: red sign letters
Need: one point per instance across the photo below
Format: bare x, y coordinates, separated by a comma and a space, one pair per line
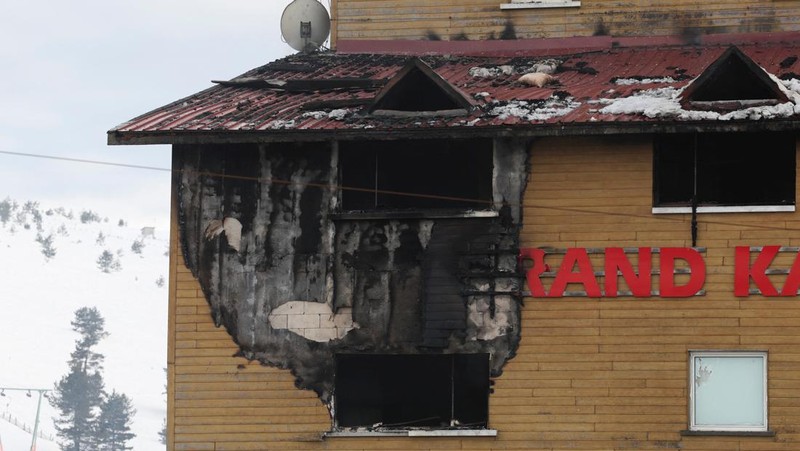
576, 268
759, 270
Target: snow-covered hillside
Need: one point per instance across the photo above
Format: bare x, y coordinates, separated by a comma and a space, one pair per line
39, 296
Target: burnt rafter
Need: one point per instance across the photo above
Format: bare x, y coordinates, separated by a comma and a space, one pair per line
417, 88
733, 77
335, 103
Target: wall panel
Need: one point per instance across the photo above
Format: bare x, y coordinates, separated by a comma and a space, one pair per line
483, 19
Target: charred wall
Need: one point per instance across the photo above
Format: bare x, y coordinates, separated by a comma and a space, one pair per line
295, 282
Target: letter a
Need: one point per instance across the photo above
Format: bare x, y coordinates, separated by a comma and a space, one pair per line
585, 274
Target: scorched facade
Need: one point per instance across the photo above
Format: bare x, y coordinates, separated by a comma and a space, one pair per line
585, 245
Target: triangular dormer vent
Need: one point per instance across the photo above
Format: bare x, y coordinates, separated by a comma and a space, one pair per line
733, 81
417, 90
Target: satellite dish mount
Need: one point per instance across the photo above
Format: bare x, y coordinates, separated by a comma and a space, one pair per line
305, 25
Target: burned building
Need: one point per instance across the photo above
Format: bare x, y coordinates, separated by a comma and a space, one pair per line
584, 245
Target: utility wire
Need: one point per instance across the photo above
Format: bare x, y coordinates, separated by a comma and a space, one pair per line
398, 193
80, 160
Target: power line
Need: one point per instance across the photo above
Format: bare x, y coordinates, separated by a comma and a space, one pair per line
80, 160
394, 193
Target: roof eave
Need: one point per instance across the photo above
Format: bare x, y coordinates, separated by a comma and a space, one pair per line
526, 131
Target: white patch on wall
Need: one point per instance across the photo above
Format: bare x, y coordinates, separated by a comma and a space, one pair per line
230, 226
424, 233
314, 321
483, 323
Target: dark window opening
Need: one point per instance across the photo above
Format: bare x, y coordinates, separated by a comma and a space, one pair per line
419, 174
407, 391
733, 76
417, 92
418, 88
734, 81
727, 169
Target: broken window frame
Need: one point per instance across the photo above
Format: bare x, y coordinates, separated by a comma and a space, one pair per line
473, 184
369, 364
661, 144
736, 393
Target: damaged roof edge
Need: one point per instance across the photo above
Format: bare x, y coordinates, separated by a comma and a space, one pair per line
535, 130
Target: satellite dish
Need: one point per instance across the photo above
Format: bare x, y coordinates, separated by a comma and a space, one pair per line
305, 25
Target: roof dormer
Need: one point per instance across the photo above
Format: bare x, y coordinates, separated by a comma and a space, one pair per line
732, 82
417, 90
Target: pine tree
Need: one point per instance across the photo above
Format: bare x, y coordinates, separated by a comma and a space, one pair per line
7, 207
162, 434
79, 394
114, 423
108, 263
48, 250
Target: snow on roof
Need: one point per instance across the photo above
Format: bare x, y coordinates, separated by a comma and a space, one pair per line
666, 103
328, 93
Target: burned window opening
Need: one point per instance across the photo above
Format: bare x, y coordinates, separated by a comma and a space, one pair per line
417, 174
412, 391
731, 169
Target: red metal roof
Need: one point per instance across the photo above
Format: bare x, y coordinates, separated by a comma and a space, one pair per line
588, 81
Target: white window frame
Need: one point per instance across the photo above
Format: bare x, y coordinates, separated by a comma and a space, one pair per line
531, 4
660, 207
725, 209
693, 426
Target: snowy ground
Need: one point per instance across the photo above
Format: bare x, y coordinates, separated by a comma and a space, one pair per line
39, 297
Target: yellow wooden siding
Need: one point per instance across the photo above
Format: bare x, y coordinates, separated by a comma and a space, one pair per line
223, 402
589, 374
483, 19
619, 367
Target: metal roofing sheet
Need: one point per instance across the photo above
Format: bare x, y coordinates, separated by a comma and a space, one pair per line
587, 82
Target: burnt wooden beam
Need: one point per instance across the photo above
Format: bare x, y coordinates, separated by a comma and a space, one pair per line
332, 83
338, 103
280, 66
415, 114
729, 105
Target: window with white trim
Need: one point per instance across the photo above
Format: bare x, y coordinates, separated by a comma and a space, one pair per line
728, 391
724, 172
530, 4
